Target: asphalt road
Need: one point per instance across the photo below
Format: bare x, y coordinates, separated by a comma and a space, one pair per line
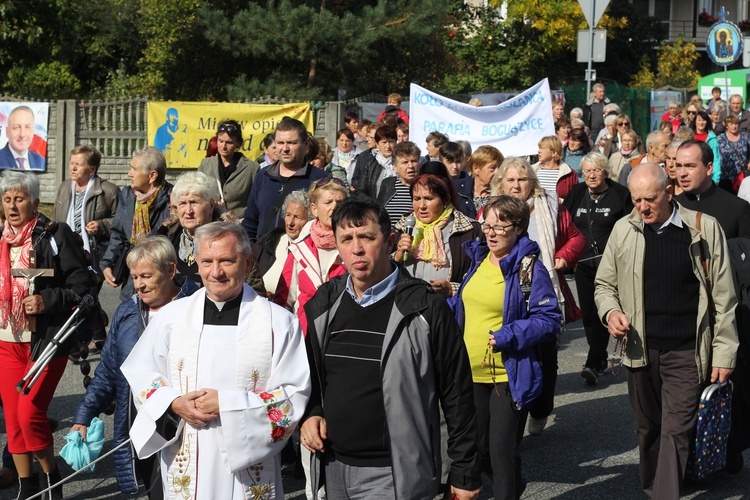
587, 451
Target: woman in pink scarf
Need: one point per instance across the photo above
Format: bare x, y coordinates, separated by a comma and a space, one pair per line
28, 235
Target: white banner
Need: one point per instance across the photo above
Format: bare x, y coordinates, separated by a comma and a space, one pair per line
514, 127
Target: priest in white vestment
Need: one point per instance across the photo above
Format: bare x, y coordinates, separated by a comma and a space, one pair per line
220, 380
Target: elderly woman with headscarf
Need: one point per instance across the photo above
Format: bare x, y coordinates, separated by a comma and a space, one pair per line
231, 170
271, 249
153, 264
195, 200
561, 246
29, 322
141, 210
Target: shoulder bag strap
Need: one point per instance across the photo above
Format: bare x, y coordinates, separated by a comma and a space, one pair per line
709, 293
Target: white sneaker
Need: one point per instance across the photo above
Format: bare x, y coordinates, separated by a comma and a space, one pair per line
536, 425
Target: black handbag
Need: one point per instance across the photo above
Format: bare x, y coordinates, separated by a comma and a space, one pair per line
120, 269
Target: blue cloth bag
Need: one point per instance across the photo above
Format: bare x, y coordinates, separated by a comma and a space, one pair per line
708, 452
79, 454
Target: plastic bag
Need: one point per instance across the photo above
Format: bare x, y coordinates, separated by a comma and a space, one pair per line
79, 454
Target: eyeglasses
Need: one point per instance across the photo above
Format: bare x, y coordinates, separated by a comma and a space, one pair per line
227, 128
692, 112
496, 229
623, 124
322, 182
616, 365
592, 173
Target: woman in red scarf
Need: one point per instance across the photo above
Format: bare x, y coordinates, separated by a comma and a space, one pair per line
313, 260
26, 234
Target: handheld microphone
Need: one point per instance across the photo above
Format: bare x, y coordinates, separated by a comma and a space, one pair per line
409, 224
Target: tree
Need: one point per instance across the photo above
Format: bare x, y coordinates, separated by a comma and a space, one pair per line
676, 66
315, 48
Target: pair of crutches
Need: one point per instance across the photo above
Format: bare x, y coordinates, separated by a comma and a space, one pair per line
70, 326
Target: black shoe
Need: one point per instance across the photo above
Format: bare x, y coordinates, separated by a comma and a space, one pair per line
589, 375
28, 487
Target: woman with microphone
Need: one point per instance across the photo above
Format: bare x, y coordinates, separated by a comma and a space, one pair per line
434, 252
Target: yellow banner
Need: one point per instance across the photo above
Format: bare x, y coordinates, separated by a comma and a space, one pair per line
182, 129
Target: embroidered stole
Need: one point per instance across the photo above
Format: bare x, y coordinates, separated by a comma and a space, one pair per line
254, 352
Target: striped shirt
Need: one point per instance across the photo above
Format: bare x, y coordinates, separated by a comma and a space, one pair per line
548, 178
400, 204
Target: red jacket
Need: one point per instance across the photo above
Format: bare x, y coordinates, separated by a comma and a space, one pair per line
570, 245
401, 115
303, 267
566, 179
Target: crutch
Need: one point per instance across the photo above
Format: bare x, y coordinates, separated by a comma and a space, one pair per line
28, 381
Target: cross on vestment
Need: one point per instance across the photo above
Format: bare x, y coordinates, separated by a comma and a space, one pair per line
31, 274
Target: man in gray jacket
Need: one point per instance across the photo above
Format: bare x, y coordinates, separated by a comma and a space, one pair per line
664, 289
384, 352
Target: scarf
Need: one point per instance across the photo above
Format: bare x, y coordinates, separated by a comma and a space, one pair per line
144, 202
545, 228
428, 243
322, 237
626, 152
70, 219
14, 289
386, 163
187, 249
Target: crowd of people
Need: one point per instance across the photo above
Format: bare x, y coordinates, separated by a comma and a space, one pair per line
399, 311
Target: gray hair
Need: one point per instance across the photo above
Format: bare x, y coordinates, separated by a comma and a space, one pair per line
598, 160
522, 167
716, 108
655, 171
612, 108
597, 86
300, 198
21, 108
672, 104
654, 137
156, 250
576, 111
576, 122
196, 183
215, 230
610, 119
21, 181
151, 159
675, 144
466, 146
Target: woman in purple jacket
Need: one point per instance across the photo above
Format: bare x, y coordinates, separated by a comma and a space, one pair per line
506, 307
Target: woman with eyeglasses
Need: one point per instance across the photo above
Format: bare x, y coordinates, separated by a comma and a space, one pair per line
432, 250
506, 307
622, 124
734, 145
313, 260
561, 246
690, 112
230, 169
153, 264
701, 126
595, 206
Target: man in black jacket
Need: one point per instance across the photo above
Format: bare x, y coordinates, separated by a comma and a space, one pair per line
383, 350
694, 166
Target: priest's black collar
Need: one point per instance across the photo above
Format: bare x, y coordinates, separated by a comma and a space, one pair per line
225, 314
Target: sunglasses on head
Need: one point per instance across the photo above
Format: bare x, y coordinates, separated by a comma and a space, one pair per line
322, 182
227, 128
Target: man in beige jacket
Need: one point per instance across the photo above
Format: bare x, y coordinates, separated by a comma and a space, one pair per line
653, 294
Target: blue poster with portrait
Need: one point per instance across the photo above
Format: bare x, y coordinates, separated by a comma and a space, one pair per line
724, 43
